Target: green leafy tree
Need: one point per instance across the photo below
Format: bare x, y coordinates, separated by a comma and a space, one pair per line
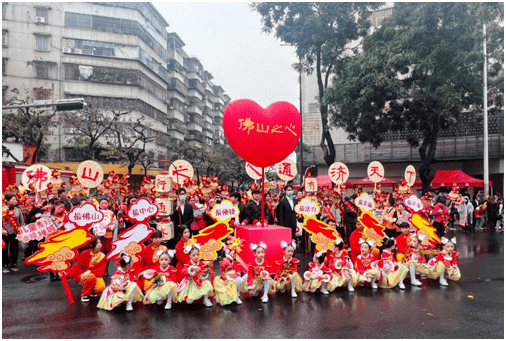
28, 126
320, 33
421, 72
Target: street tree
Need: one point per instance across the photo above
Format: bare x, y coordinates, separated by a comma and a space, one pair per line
321, 33
89, 125
28, 126
130, 143
421, 72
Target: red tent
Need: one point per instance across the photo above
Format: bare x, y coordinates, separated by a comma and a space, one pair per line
455, 177
365, 182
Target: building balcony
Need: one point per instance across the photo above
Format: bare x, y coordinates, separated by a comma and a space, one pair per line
195, 94
194, 127
176, 84
176, 114
207, 126
195, 109
197, 85
195, 137
173, 125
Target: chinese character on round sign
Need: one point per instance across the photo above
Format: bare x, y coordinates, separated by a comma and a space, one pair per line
410, 175
310, 185
254, 172
375, 171
40, 177
339, 173
181, 170
286, 170
90, 174
163, 183
164, 206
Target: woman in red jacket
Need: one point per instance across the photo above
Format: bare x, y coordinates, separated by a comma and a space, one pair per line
89, 270
181, 255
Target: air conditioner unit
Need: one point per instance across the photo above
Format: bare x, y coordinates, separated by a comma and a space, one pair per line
41, 20
78, 51
67, 50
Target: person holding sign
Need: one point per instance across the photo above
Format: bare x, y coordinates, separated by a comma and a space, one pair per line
12, 219
105, 228
89, 270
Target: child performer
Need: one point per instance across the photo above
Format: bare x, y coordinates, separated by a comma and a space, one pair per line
105, 228
258, 277
89, 270
318, 275
366, 265
149, 259
341, 267
182, 255
287, 276
392, 273
414, 258
445, 262
228, 286
196, 281
163, 285
122, 287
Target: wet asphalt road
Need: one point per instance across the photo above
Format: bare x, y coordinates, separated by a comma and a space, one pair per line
34, 307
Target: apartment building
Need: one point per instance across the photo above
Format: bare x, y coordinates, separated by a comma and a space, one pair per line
117, 56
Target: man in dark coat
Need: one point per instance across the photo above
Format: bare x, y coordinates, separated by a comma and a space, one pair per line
241, 219
351, 212
183, 212
287, 216
254, 209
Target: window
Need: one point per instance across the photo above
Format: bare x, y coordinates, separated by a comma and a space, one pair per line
45, 70
4, 66
4, 10
41, 14
42, 43
4, 38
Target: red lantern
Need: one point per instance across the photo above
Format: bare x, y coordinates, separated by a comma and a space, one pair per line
262, 137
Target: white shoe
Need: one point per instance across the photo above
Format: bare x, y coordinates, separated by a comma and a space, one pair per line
443, 281
159, 302
374, 285
238, 301
129, 307
207, 303
282, 289
324, 291
416, 282
168, 305
401, 285
350, 287
189, 301
265, 299
294, 294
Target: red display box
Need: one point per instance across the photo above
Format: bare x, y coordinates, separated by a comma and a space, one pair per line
271, 235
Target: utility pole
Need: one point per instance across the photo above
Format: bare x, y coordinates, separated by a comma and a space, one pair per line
485, 113
301, 146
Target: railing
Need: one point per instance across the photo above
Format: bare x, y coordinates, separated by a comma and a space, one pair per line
451, 148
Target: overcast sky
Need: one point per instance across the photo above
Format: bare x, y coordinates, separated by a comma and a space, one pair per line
227, 39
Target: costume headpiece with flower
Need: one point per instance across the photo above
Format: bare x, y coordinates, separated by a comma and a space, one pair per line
256, 246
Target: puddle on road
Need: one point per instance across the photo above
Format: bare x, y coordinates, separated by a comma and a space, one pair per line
33, 278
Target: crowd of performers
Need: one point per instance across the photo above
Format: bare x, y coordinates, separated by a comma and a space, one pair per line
352, 261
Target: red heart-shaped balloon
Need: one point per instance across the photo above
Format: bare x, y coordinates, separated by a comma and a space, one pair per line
262, 137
